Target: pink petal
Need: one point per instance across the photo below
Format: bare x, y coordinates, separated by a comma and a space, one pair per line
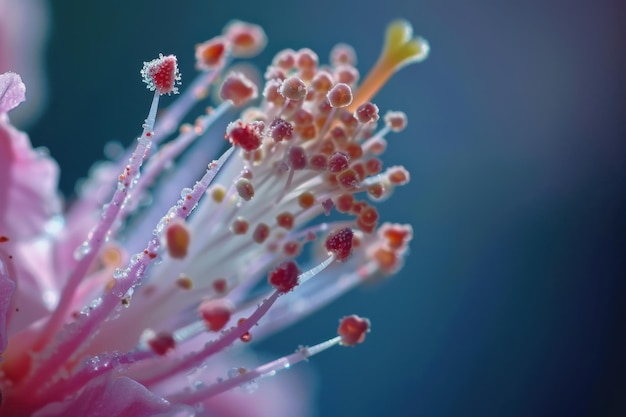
106, 397
7, 287
23, 32
12, 91
28, 181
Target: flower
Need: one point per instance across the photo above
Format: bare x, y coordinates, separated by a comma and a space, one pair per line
127, 304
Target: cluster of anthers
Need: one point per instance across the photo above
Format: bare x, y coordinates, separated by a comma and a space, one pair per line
310, 146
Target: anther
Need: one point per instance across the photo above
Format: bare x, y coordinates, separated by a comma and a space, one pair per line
285, 276
177, 238
216, 313
238, 89
162, 74
339, 243
352, 330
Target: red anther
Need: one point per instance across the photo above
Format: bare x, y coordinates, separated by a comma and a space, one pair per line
368, 215
360, 170
373, 166
307, 132
247, 174
367, 223
240, 226
177, 238
352, 329
322, 82
238, 89
248, 39
280, 129
318, 162
246, 135
184, 282
366, 113
293, 88
162, 343
297, 157
397, 235
285, 220
327, 205
327, 147
292, 249
349, 121
354, 150
306, 199
303, 118
348, 179
273, 73
272, 94
338, 162
261, 233
211, 54
376, 190
344, 203
395, 120
4, 239
358, 207
398, 175
285, 277
285, 59
377, 146
306, 59
161, 74
338, 134
245, 189
346, 74
387, 260
324, 107
342, 54
339, 243
216, 313
219, 285
340, 95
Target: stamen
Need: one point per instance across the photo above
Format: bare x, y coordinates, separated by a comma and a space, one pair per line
400, 49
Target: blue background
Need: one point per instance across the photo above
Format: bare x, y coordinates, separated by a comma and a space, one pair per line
511, 302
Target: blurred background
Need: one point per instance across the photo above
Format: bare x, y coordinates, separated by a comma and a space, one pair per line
511, 302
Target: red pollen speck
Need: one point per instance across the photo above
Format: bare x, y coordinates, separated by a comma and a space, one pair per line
339, 243
162, 74
246, 337
219, 285
162, 343
216, 313
352, 329
285, 277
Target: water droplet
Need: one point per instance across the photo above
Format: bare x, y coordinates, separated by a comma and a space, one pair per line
82, 250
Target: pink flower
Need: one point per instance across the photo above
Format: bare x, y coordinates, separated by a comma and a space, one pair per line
136, 301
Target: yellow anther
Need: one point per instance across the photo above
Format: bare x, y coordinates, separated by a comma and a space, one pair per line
400, 49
